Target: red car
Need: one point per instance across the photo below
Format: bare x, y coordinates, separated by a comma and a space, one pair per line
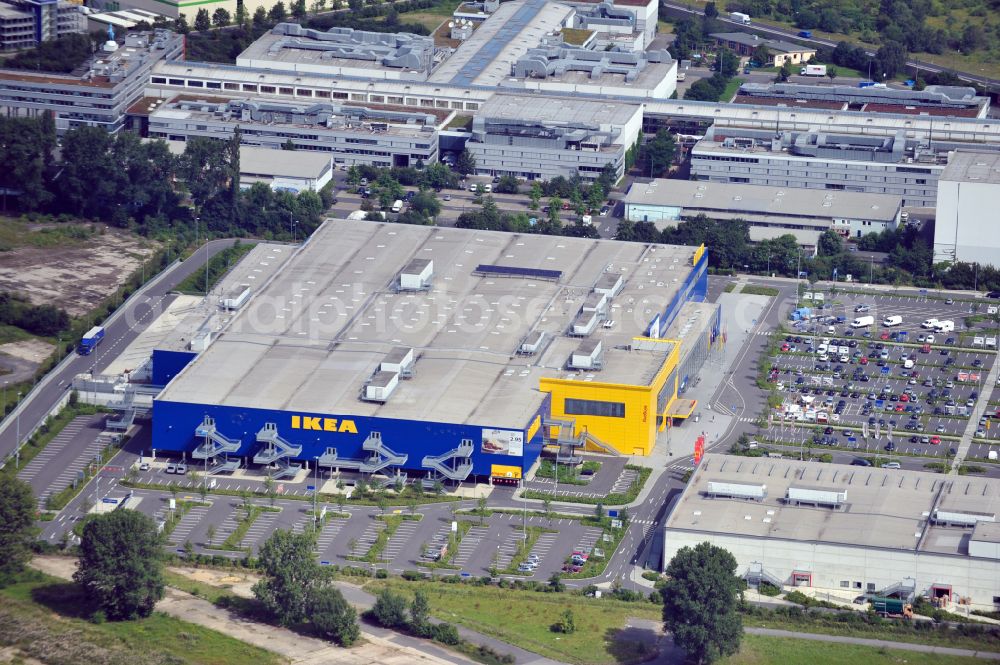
884, 336
785, 347
935, 440
904, 398
864, 360
899, 408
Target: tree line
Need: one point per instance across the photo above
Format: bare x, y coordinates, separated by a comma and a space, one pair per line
127, 182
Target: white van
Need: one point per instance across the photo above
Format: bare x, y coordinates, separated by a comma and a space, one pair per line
397, 206
893, 320
929, 324
945, 326
863, 322
908, 363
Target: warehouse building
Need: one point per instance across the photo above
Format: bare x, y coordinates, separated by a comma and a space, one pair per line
351, 134
27, 23
444, 352
933, 100
611, 18
819, 159
341, 52
968, 192
846, 529
96, 94
544, 137
851, 214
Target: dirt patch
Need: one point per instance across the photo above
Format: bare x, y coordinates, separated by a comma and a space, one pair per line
14, 370
32, 350
10, 654
74, 277
240, 584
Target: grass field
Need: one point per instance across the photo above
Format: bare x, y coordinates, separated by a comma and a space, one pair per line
16, 233
432, 17
731, 88
760, 650
218, 266
524, 618
44, 618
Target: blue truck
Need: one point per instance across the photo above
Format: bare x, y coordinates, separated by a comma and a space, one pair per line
90, 341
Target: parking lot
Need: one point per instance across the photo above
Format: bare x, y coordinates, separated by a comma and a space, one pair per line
904, 387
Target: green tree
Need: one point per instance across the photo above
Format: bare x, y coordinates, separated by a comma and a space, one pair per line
241, 13
333, 616
556, 583
762, 56
566, 623
599, 511
700, 602
259, 17
210, 534
466, 163
830, 243
711, 11
277, 13
426, 203
181, 25
508, 185
17, 518
658, 154
831, 72
121, 563
785, 71
389, 609
420, 614
535, 194
202, 21
298, 8
890, 59
728, 63
221, 18
290, 575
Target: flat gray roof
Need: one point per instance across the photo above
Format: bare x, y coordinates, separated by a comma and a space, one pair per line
486, 57
556, 110
318, 331
802, 236
774, 202
272, 162
972, 167
885, 508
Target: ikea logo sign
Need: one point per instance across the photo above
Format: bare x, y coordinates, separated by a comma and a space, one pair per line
318, 424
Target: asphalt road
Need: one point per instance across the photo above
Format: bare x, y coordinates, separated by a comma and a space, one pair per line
122, 328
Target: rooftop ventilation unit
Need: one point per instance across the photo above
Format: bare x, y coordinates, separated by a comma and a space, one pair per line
381, 386
736, 490
962, 518
816, 496
589, 355
416, 276
399, 360
609, 284
237, 297
532, 343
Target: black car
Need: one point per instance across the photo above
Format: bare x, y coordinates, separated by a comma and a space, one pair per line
993, 294
860, 462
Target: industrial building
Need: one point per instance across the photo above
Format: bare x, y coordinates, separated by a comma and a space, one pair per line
846, 529
341, 52
967, 195
851, 214
817, 158
447, 353
485, 58
558, 67
543, 137
351, 134
616, 20
744, 44
934, 100
27, 23
281, 170
96, 94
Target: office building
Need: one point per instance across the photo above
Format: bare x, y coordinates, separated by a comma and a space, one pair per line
96, 94
362, 352
820, 159
845, 529
965, 227
27, 23
745, 44
350, 134
543, 137
616, 20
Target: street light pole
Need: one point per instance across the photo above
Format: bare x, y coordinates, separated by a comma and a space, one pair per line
17, 453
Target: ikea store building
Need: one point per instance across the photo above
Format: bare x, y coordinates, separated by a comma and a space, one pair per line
443, 353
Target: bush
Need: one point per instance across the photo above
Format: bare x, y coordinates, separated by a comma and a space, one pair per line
413, 575
389, 610
445, 633
767, 589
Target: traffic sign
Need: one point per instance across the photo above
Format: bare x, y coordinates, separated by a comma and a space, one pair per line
884, 371
324, 563
311, 488
612, 513
108, 499
852, 439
